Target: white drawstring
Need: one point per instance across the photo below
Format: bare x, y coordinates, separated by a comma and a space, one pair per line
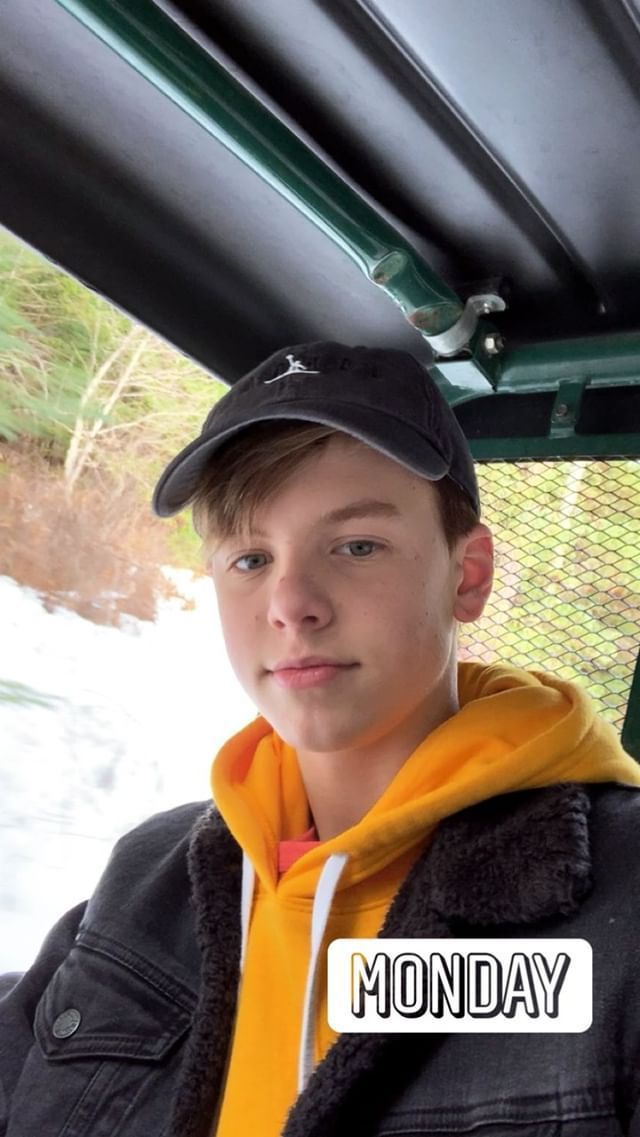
248, 883
322, 901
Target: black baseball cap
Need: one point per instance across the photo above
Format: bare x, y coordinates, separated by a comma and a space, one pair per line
383, 397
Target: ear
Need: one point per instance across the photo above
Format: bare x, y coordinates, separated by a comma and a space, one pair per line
474, 562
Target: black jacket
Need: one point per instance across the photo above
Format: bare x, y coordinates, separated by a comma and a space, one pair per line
121, 1027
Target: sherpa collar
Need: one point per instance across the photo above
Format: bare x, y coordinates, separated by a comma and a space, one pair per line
513, 860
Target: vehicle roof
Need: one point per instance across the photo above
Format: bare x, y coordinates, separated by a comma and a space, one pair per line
501, 140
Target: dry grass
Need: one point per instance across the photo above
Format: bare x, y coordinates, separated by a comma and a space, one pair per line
100, 555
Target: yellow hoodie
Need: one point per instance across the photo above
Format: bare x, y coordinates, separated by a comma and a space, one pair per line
514, 730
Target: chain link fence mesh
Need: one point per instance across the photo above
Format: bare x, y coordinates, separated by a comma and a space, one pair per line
566, 597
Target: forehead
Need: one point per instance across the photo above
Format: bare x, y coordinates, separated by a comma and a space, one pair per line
345, 480
346, 454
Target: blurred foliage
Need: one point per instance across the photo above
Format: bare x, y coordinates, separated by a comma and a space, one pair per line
184, 544
18, 694
91, 390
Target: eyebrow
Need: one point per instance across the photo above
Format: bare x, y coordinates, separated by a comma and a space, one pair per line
364, 507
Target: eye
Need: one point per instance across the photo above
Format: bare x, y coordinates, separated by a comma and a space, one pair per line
361, 544
247, 557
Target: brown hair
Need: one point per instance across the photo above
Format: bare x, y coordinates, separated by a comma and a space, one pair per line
255, 463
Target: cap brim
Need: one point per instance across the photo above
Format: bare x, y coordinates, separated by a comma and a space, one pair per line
179, 483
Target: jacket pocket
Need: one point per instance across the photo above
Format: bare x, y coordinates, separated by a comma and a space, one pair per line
106, 1054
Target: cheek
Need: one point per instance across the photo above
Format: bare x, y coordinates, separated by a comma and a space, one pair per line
393, 622
414, 619
238, 631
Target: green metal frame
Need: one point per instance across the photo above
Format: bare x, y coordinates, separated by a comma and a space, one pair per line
566, 367
631, 727
169, 59
574, 446
598, 361
605, 360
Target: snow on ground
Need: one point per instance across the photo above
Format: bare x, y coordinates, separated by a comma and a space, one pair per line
99, 728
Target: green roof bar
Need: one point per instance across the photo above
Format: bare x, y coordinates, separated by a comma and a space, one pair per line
597, 361
168, 58
567, 368
604, 361
528, 449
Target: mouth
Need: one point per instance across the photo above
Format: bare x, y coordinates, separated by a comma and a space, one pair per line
312, 675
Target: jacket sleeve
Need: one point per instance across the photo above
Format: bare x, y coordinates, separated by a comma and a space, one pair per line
18, 1005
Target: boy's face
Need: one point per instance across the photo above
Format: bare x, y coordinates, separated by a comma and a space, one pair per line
378, 593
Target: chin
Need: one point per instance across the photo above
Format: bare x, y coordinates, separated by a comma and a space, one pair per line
319, 737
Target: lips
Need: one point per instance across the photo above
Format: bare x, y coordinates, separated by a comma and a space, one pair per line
308, 661
309, 676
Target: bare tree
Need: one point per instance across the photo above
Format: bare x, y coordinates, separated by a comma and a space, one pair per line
118, 370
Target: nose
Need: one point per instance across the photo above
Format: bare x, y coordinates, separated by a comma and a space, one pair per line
298, 599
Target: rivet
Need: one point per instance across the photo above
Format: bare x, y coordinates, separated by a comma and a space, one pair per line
67, 1023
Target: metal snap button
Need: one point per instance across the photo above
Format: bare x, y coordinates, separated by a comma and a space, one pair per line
67, 1023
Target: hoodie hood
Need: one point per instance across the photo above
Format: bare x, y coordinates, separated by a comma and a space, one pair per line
514, 730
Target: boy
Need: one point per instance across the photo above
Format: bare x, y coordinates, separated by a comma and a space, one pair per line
383, 789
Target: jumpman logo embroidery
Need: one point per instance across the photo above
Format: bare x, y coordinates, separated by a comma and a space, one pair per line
295, 366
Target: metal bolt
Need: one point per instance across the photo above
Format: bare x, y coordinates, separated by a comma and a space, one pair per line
562, 411
493, 343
